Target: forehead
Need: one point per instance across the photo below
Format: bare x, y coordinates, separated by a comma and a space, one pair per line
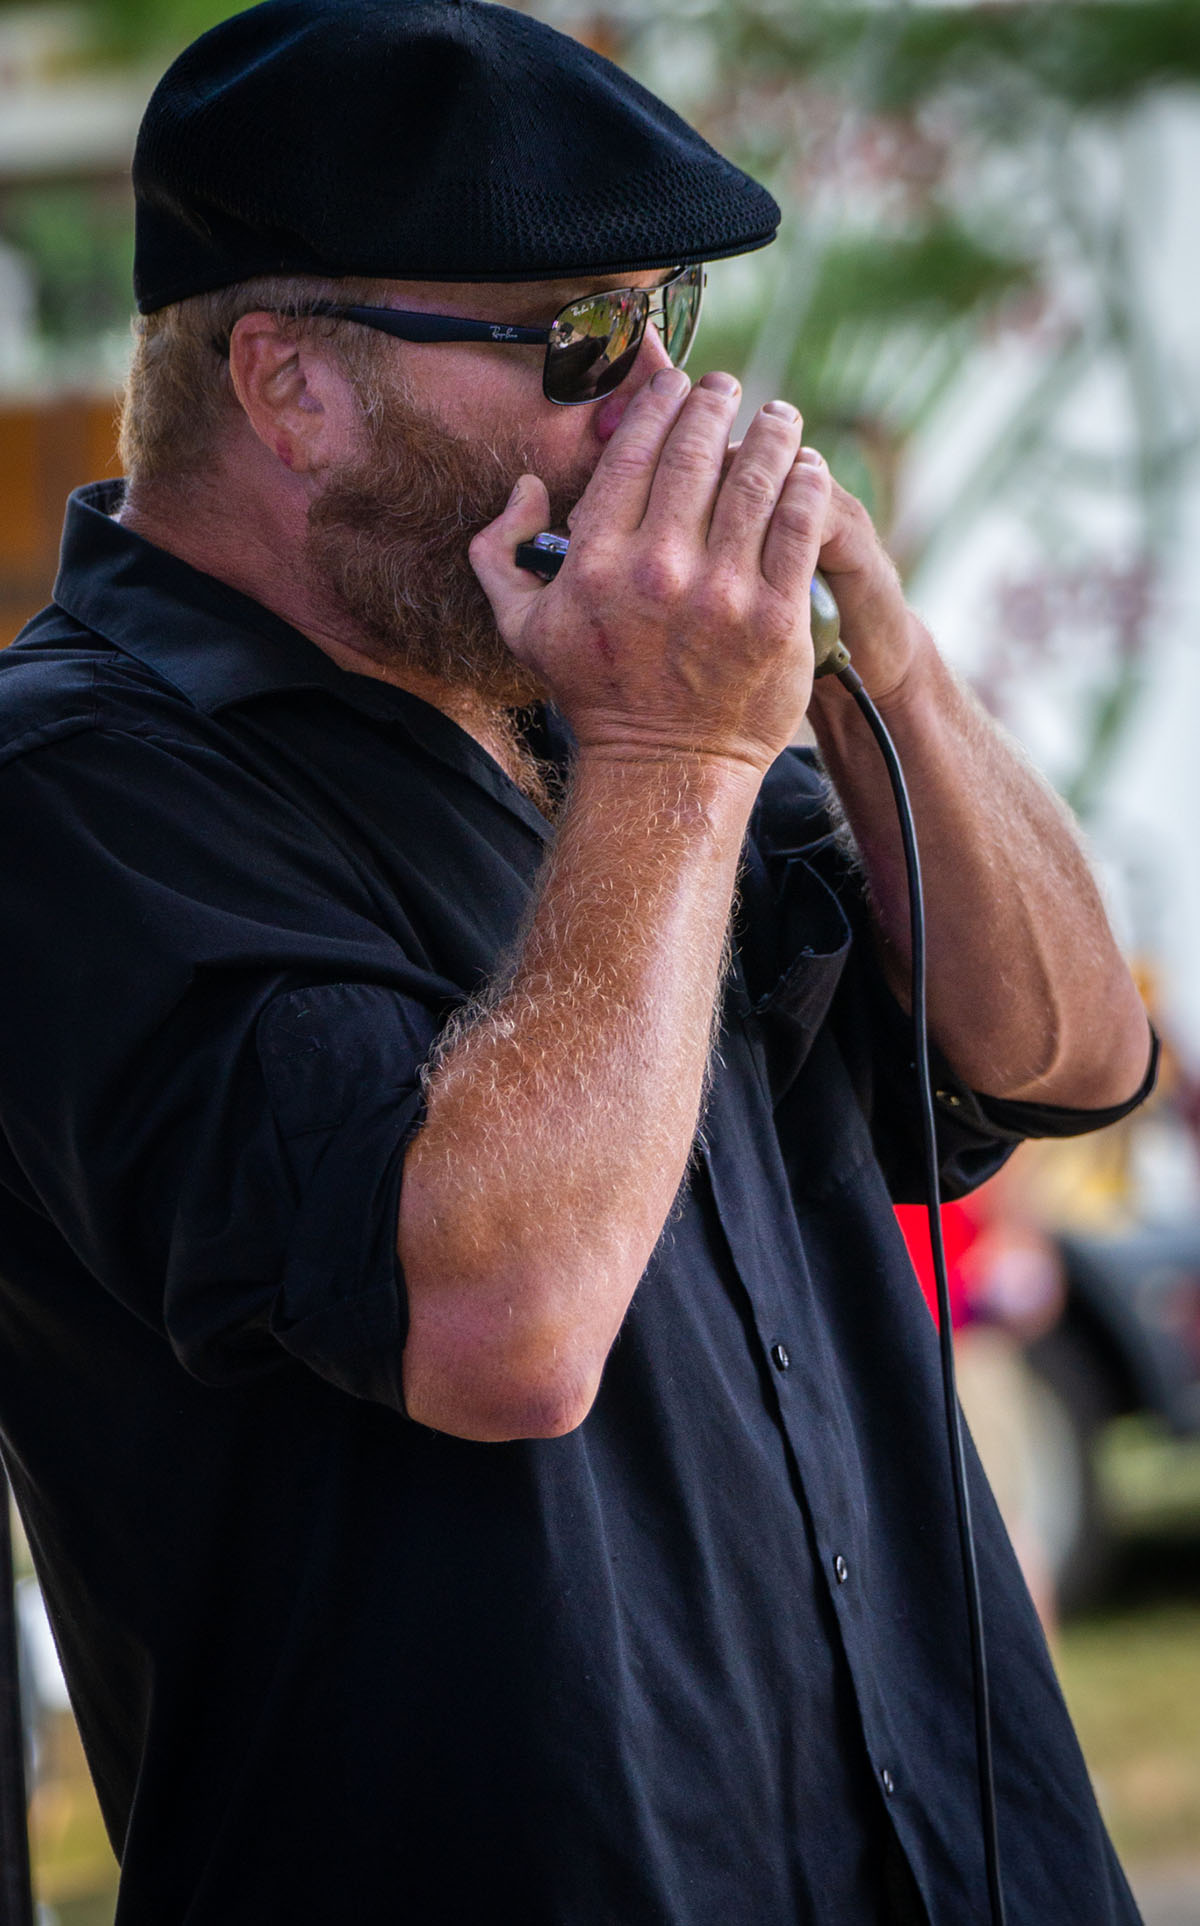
508, 300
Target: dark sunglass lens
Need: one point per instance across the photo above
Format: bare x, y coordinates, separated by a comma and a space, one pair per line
593, 344
614, 372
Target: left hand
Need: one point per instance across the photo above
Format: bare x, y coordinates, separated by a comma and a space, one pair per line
882, 634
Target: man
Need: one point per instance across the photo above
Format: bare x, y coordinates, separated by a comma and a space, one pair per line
479, 1435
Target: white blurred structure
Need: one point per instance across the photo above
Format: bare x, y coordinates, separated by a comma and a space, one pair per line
1146, 817
55, 120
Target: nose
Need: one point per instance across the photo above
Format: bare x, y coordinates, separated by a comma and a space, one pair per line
651, 356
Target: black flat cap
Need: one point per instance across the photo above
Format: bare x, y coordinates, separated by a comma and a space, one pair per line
435, 140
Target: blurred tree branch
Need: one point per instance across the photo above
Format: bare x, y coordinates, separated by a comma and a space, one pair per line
957, 181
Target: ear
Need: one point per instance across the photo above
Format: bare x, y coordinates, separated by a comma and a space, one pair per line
292, 391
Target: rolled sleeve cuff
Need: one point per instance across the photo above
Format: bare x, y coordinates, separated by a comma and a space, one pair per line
1044, 1119
976, 1133
342, 1067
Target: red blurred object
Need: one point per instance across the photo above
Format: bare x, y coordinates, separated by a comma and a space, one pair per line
960, 1228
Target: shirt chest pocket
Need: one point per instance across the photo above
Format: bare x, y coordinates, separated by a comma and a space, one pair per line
792, 954
792, 958
824, 1135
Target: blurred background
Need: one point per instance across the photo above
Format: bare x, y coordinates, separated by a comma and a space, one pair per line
986, 299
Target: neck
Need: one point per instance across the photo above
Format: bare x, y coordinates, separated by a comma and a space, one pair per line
258, 549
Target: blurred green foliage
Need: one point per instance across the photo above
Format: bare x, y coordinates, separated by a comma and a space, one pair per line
150, 29
1086, 53
959, 179
936, 165
930, 275
80, 242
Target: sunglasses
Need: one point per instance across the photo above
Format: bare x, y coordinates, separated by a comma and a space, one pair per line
591, 344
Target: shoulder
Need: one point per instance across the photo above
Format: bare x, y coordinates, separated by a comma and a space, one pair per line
46, 688
59, 680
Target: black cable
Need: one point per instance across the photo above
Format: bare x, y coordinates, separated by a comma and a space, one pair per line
962, 1503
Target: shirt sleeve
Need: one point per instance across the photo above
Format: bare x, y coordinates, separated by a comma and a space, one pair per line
803, 867
210, 1057
975, 1134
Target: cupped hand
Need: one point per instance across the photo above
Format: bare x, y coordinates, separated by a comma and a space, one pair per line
679, 623
880, 631
877, 626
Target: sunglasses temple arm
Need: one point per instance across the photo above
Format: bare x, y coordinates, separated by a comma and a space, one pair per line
408, 325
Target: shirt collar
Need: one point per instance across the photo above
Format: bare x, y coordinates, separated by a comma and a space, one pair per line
219, 647
209, 641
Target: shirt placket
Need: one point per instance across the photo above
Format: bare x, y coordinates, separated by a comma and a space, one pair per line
758, 1217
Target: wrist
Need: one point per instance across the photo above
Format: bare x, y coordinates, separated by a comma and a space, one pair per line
696, 748
629, 765
920, 689
663, 792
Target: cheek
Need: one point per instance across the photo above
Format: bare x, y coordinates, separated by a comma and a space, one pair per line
480, 393
566, 469
569, 440
557, 444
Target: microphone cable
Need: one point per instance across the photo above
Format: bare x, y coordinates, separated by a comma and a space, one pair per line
851, 681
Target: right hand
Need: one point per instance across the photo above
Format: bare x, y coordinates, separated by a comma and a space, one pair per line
679, 623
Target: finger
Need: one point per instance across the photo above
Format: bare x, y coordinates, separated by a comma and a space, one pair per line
615, 497
688, 474
851, 542
511, 590
754, 482
797, 527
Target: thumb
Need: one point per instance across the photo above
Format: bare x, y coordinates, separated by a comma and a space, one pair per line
511, 591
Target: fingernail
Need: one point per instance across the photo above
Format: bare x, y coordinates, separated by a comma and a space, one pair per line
670, 381
721, 384
518, 485
783, 409
812, 457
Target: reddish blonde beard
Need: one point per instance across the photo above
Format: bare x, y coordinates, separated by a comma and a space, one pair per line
387, 544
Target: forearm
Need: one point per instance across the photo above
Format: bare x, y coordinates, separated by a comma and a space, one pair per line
1028, 996
675, 642
562, 1114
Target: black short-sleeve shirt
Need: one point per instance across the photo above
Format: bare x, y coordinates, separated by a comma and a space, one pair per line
702, 1662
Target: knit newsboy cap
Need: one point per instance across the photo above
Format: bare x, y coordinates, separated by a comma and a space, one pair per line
426, 140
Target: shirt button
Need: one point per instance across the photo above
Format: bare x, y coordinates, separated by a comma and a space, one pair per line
780, 1357
841, 1568
889, 1784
